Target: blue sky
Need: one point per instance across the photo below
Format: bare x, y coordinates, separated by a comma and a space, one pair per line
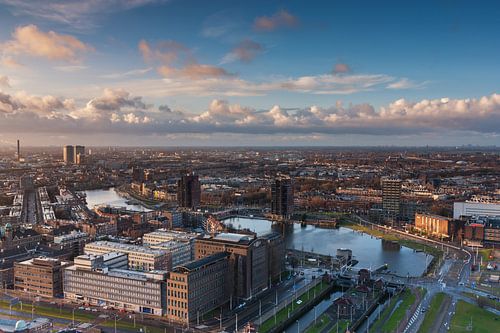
250, 72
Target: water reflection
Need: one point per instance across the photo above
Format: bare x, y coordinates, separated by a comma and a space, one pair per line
368, 250
112, 198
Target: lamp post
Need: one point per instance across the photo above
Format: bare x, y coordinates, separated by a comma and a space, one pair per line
298, 326
73, 315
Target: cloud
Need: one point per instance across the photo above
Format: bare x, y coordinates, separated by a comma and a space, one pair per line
281, 19
4, 81
71, 69
29, 40
75, 13
405, 83
341, 68
133, 72
245, 51
119, 111
176, 60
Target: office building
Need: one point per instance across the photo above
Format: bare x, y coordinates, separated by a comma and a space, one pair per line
69, 154
391, 197
140, 258
472, 209
197, 287
189, 191
249, 267
91, 281
39, 276
181, 252
434, 225
282, 197
79, 154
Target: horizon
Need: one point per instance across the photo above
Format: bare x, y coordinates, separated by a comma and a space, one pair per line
249, 74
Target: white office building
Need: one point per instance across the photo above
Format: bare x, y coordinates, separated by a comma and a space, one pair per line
470, 209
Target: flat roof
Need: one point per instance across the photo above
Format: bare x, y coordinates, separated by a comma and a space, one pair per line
125, 247
195, 264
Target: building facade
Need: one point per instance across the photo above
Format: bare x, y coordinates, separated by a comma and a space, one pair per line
249, 260
391, 197
189, 191
197, 287
472, 209
140, 258
40, 276
89, 281
282, 197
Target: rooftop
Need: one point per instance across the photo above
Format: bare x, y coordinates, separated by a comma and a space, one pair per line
196, 264
124, 247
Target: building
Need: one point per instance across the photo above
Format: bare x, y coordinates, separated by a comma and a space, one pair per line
75, 241
434, 225
189, 191
249, 267
163, 235
471, 209
79, 155
68, 154
91, 281
181, 252
492, 232
140, 258
282, 197
391, 197
39, 276
198, 287
23, 326
111, 260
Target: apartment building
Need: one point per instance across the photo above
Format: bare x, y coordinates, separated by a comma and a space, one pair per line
197, 287
91, 281
140, 258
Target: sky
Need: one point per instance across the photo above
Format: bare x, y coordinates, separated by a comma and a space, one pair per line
249, 73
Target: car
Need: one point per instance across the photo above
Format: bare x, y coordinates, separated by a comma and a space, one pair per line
87, 309
94, 310
461, 283
81, 308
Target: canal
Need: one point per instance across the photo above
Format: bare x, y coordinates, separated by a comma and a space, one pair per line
112, 198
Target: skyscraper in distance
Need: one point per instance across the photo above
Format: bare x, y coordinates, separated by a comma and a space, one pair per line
282, 197
189, 191
79, 154
68, 154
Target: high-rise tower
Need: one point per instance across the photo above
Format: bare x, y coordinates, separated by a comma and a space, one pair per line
189, 191
282, 197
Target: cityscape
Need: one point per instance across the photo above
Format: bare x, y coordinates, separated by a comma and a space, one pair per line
128, 205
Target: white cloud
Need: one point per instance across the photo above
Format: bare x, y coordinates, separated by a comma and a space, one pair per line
79, 14
4, 81
133, 72
30, 41
118, 111
405, 83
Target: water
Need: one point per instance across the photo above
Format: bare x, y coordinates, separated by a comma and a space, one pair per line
367, 249
112, 198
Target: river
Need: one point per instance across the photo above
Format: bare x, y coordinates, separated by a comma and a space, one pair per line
368, 250
112, 198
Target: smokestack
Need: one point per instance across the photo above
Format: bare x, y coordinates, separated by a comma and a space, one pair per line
18, 151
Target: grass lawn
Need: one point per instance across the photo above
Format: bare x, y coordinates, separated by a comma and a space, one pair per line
343, 324
485, 300
130, 326
482, 320
431, 314
321, 323
408, 298
50, 311
282, 315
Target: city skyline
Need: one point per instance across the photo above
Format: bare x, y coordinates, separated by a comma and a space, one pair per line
273, 73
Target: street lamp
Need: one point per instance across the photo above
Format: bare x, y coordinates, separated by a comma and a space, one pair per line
298, 326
